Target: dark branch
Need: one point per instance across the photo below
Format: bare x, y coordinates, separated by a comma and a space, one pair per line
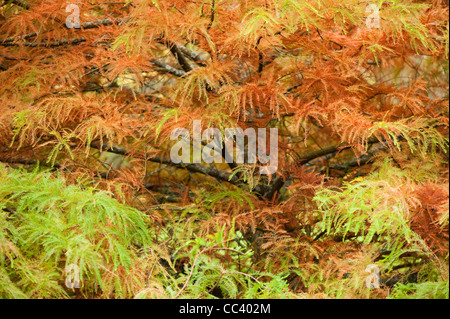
44, 44
102, 22
192, 55
329, 150
184, 63
266, 191
169, 69
361, 160
213, 13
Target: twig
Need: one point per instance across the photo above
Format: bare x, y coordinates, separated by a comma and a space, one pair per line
169, 69
329, 150
43, 44
213, 13
179, 56
192, 55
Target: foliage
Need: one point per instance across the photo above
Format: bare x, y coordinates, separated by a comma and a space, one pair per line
46, 224
86, 178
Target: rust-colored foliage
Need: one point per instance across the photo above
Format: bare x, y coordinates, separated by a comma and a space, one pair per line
426, 220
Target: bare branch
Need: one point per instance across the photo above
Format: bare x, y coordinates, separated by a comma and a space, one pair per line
191, 54
184, 63
266, 191
45, 44
213, 13
169, 69
329, 150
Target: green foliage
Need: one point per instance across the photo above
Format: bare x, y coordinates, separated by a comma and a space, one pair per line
377, 208
47, 225
426, 290
206, 272
378, 214
421, 136
210, 198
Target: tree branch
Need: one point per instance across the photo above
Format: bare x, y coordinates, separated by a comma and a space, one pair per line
102, 22
213, 13
184, 63
44, 44
362, 160
192, 55
169, 69
329, 150
266, 191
